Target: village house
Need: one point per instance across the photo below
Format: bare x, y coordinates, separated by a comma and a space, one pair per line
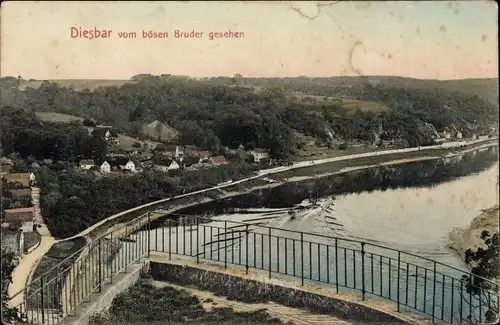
204, 157
6, 168
22, 179
25, 215
218, 160
170, 151
458, 134
173, 165
259, 154
102, 132
20, 192
130, 166
86, 164
105, 167
191, 151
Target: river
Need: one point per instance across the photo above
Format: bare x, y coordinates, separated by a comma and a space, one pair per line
411, 207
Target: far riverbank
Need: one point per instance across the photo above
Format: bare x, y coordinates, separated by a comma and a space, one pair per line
470, 238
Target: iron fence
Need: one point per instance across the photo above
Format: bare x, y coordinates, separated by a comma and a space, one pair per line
414, 283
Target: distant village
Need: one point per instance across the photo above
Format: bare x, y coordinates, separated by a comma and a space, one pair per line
19, 214
148, 154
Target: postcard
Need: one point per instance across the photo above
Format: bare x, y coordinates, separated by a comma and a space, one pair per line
249, 162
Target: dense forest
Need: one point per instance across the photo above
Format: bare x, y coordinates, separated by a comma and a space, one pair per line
212, 113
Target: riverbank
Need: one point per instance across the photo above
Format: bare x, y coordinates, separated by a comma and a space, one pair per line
470, 237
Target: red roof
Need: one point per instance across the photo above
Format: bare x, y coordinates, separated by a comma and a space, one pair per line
219, 160
205, 153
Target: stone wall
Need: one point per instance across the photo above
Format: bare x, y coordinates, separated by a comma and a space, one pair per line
252, 291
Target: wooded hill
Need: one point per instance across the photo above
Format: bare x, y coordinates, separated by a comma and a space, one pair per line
270, 112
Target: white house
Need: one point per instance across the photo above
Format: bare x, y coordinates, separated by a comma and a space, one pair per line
105, 167
32, 179
130, 166
259, 154
86, 164
173, 165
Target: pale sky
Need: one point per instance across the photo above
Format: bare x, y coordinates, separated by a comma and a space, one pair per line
437, 40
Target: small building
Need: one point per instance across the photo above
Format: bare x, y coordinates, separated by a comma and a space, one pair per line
191, 151
23, 214
86, 164
32, 179
101, 132
218, 160
6, 168
171, 151
173, 165
458, 134
130, 166
204, 156
23, 179
105, 167
20, 192
259, 154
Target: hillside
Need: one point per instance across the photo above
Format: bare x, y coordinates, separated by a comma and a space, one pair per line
271, 113
160, 131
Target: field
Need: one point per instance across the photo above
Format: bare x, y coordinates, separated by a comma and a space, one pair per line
77, 84
351, 104
126, 142
57, 117
314, 153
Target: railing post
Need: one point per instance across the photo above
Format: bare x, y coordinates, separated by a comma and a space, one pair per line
149, 234
246, 250
399, 273
225, 244
126, 248
434, 294
336, 266
363, 270
198, 241
100, 264
270, 251
42, 300
302, 257
113, 256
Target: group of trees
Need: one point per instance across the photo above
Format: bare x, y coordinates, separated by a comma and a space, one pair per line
210, 114
23, 133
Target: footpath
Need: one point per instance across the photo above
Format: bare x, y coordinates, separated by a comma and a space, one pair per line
23, 272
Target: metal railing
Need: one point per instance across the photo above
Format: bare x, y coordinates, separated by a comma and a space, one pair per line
413, 283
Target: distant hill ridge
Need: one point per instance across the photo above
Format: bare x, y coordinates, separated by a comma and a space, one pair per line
483, 87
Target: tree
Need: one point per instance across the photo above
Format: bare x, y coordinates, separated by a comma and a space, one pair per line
9, 315
484, 264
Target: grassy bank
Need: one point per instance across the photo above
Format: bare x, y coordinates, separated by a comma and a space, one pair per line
145, 303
